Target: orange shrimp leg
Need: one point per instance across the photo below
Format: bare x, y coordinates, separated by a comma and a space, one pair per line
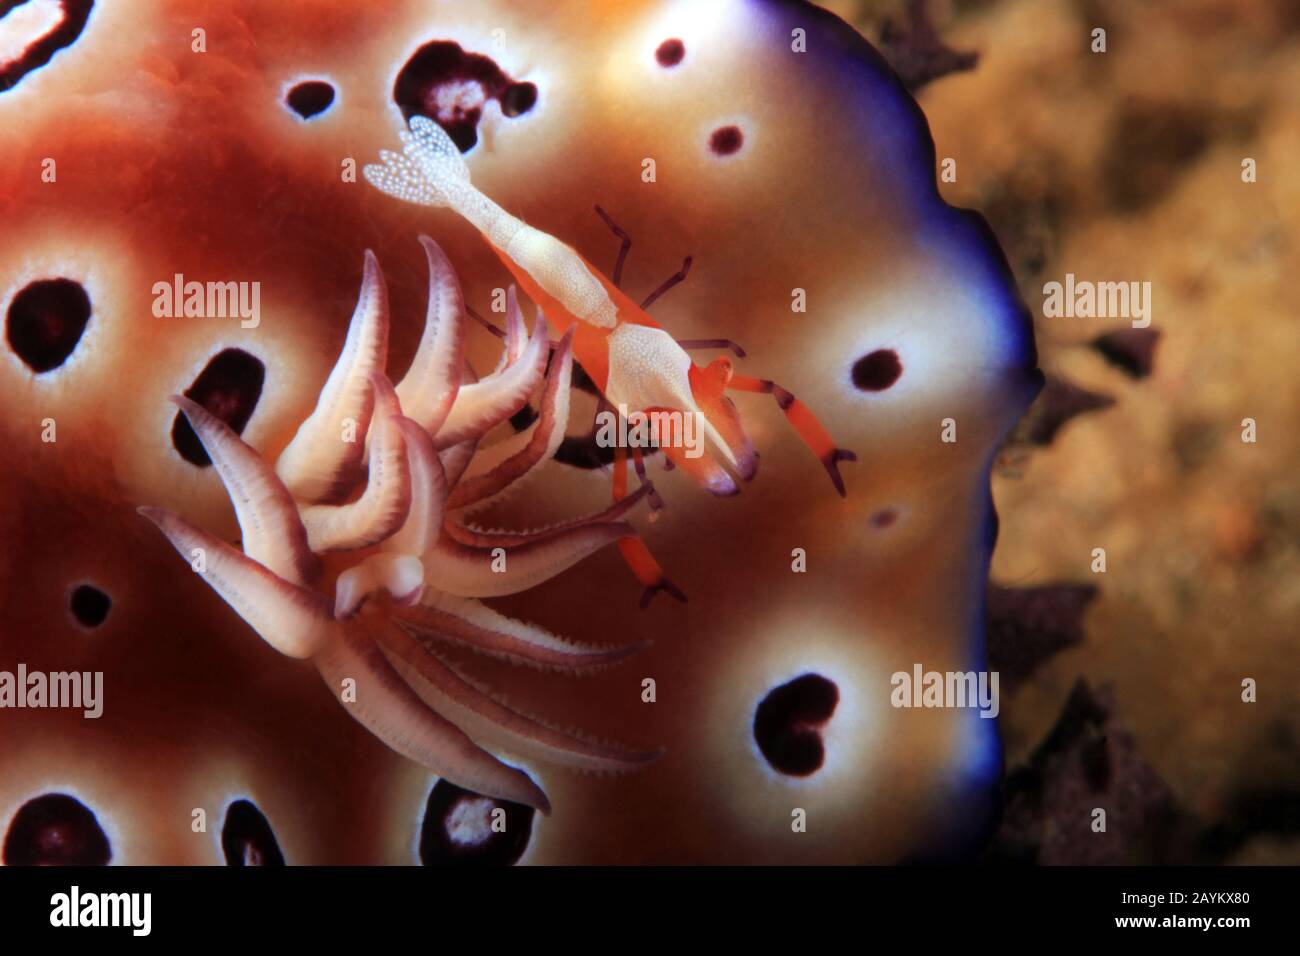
635, 553
812, 431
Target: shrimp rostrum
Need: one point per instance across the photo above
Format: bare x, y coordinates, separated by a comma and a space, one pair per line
635, 363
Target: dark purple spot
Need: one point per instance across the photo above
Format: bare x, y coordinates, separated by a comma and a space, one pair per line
458, 829
726, 140
883, 518
55, 830
788, 722
45, 322
877, 370
451, 86
670, 52
518, 99
247, 838
90, 605
74, 14
310, 98
228, 387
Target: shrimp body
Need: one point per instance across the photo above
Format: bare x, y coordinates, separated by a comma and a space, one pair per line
634, 362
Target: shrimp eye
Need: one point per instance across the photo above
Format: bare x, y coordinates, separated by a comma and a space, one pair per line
721, 370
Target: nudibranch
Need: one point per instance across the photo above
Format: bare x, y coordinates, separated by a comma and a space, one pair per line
419, 570
763, 139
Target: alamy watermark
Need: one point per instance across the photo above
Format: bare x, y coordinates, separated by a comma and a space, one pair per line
658, 428
1084, 299
133, 911
58, 690
922, 688
209, 300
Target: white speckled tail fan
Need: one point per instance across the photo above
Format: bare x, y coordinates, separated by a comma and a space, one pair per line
430, 171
